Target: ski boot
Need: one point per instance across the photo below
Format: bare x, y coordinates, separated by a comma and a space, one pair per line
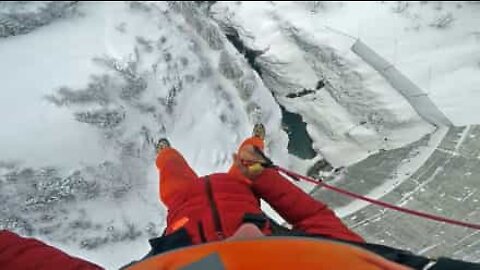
162, 144
259, 131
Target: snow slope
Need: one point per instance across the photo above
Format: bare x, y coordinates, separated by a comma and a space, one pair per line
360, 112
118, 76
434, 43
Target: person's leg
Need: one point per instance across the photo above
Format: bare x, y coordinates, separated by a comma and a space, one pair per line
175, 175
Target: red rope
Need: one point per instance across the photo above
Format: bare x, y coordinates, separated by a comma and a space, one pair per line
297, 176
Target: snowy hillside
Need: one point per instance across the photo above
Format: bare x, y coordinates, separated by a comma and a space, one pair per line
88, 87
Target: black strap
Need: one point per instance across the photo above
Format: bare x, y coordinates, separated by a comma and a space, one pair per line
201, 231
181, 238
164, 243
403, 257
450, 264
178, 239
261, 220
268, 163
400, 256
258, 220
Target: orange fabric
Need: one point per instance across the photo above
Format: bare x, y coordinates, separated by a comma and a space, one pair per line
274, 253
180, 223
175, 175
255, 141
234, 171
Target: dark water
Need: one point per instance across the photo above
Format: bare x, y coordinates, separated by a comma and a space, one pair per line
299, 142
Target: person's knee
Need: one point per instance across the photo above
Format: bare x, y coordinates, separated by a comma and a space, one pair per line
167, 156
254, 141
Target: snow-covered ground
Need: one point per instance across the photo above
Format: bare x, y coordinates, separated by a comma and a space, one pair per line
310, 41
85, 98
87, 88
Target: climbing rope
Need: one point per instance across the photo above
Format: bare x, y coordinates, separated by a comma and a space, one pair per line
295, 176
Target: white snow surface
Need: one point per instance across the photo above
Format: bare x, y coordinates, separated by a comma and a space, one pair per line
402, 173
360, 112
204, 110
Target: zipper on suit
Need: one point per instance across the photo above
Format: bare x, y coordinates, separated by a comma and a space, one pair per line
216, 217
